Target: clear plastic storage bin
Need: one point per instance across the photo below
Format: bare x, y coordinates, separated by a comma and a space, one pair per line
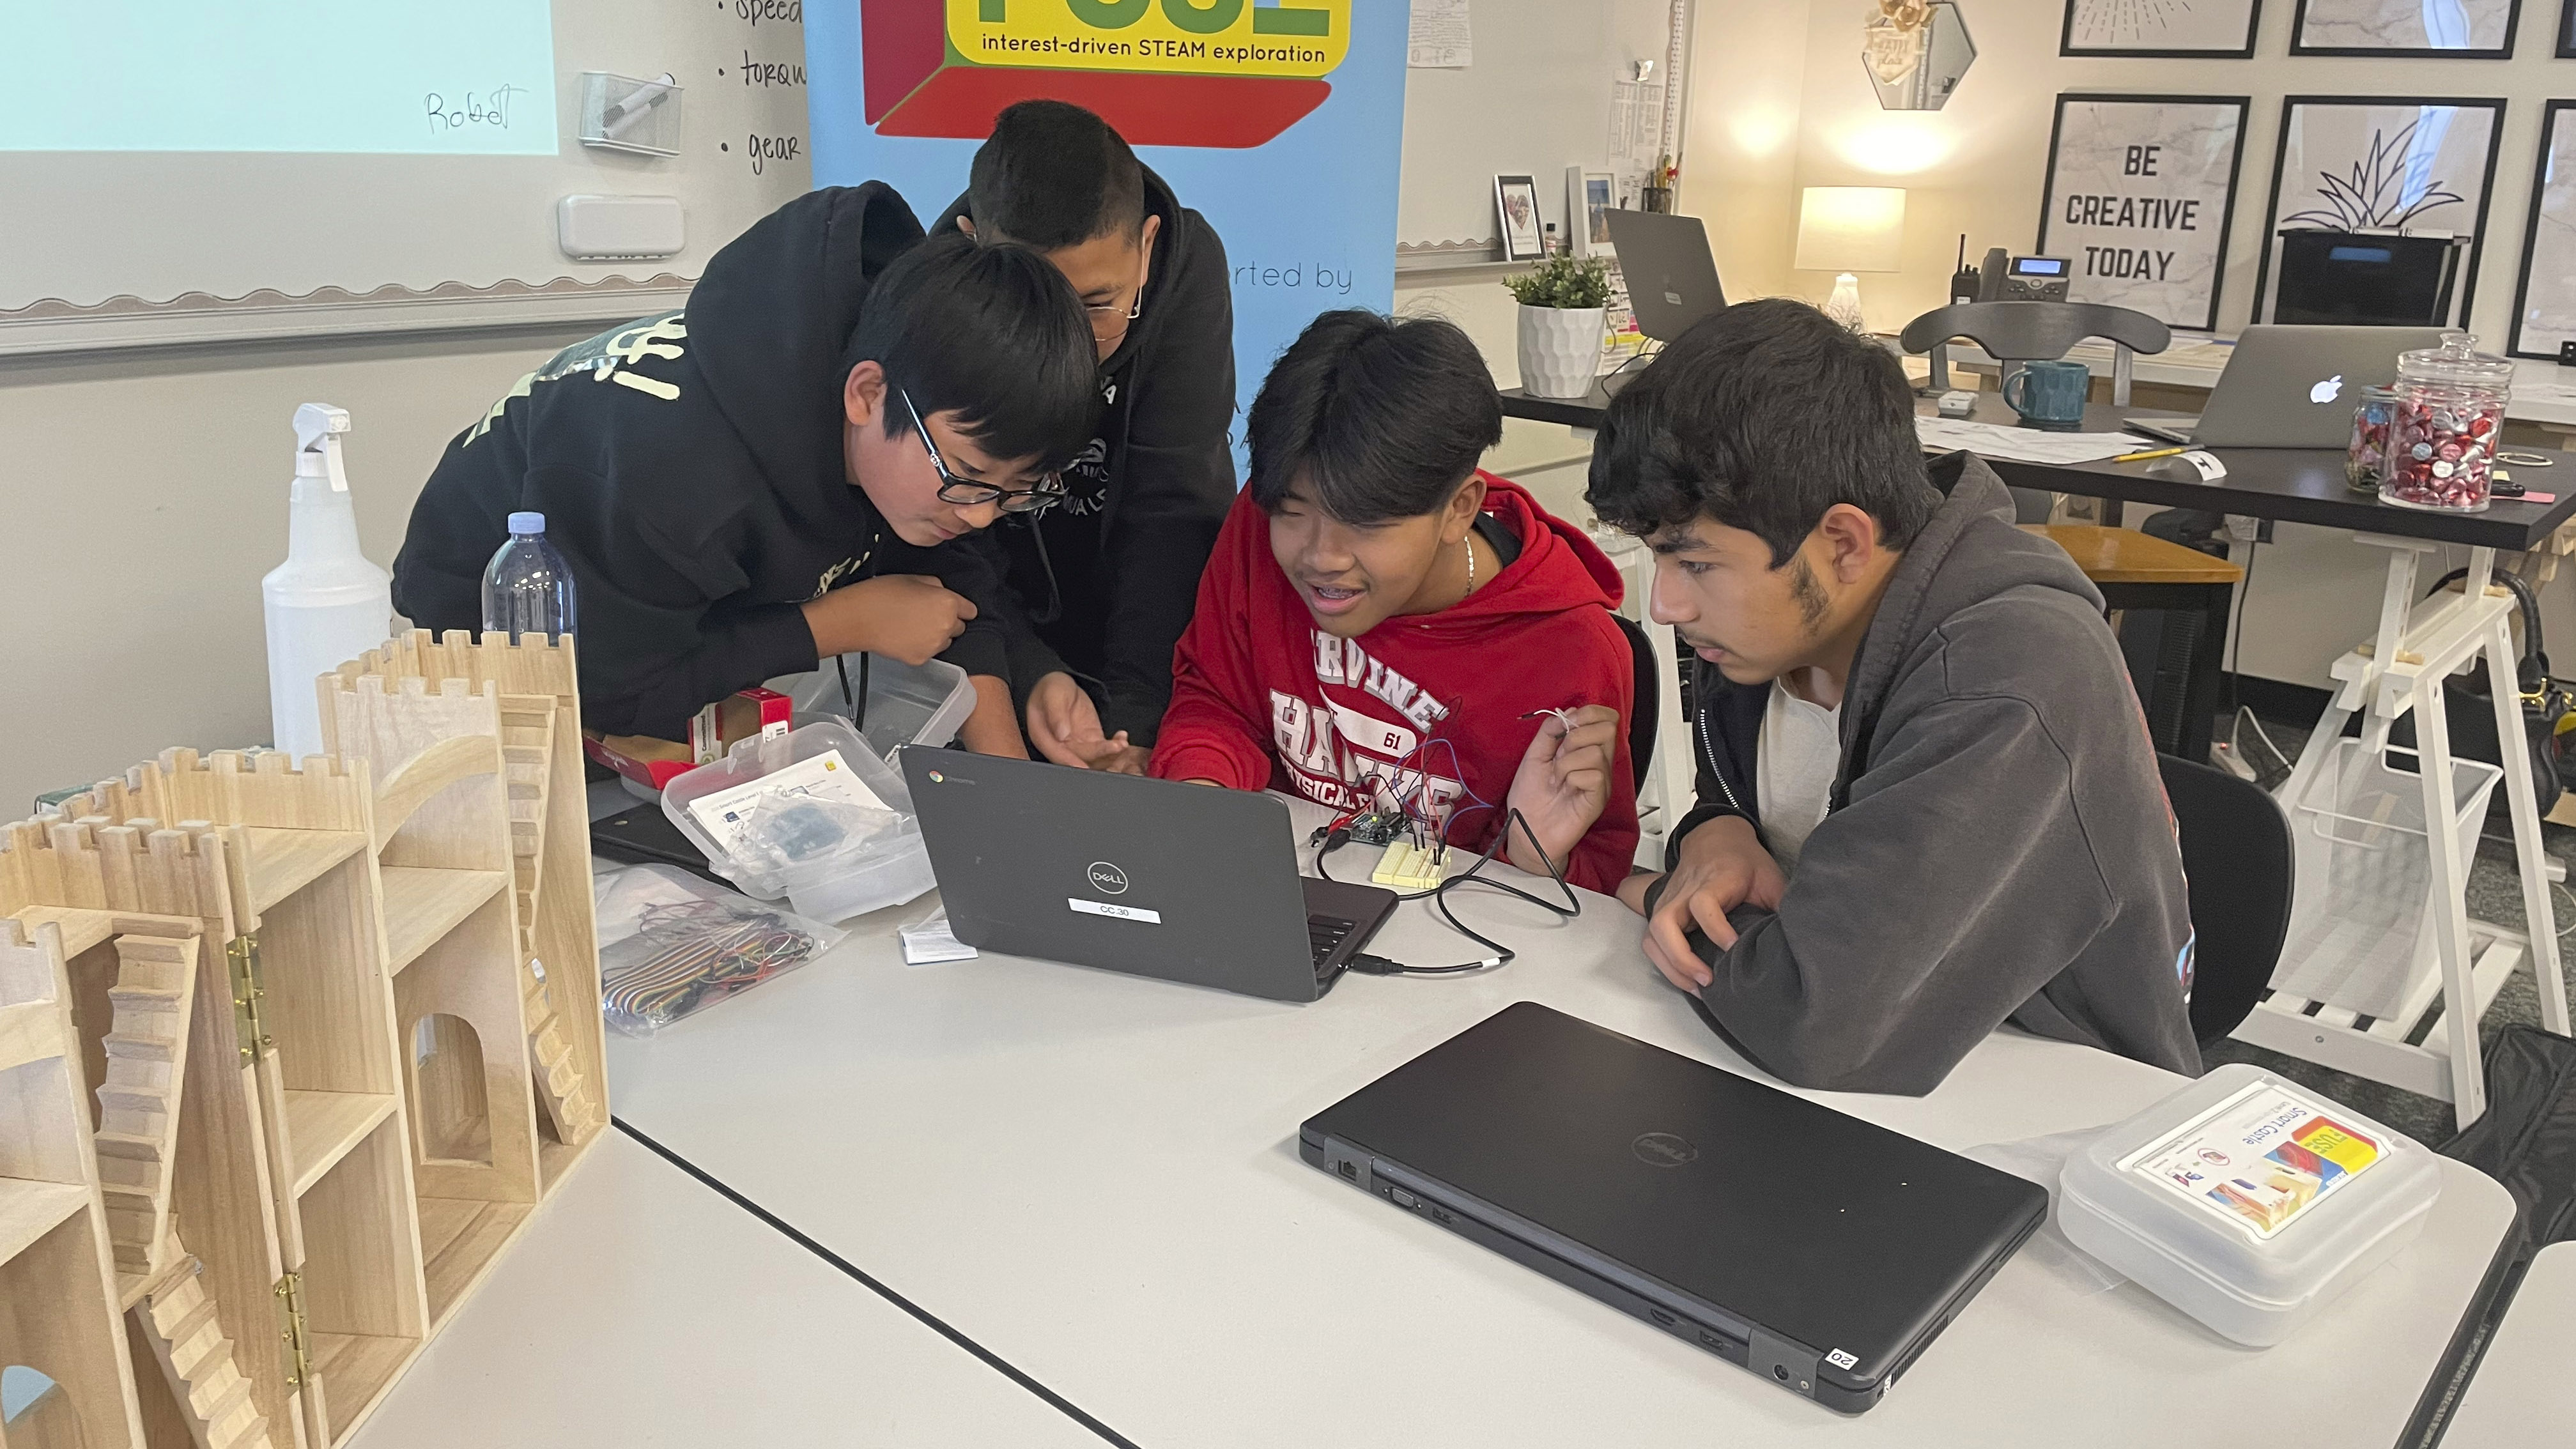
907, 704
2360, 936
813, 815
2247, 1201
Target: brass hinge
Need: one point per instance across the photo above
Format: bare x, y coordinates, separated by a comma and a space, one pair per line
292, 1331
241, 955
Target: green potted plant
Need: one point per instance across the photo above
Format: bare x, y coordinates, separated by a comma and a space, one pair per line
1562, 313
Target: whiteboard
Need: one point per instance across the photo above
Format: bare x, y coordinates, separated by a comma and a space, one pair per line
1538, 99
127, 247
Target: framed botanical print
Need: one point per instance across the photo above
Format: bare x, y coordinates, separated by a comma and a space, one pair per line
2382, 163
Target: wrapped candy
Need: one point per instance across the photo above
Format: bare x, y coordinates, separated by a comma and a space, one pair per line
2372, 422
2447, 422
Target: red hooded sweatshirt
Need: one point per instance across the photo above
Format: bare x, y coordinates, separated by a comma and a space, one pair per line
1262, 698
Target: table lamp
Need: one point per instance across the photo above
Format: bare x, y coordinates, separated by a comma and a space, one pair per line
1848, 229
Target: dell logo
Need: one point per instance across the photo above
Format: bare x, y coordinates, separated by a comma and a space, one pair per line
1663, 1149
2326, 391
1107, 877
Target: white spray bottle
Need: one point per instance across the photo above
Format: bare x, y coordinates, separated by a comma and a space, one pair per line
327, 603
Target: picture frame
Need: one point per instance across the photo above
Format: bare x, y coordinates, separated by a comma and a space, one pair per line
2336, 162
1516, 214
2386, 30
2567, 30
2544, 315
1590, 197
2203, 30
2140, 194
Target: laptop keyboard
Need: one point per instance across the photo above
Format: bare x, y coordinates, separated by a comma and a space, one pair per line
1327, 934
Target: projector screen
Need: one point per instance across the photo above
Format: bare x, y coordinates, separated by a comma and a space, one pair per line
398, 77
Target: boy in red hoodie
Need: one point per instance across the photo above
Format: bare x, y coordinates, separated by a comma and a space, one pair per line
1384, 626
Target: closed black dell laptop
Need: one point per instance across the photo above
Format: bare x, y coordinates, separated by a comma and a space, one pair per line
1811, 1247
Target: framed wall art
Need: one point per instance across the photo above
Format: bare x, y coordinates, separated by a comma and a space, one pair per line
2544, 297
2371, 163
2447, 29
2209, 29
2138, 197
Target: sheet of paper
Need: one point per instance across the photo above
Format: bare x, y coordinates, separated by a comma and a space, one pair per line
1441, 38
929, 941
2026, 445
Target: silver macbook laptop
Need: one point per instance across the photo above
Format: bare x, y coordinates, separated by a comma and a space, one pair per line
1672, 275
2292, 387
1149, 877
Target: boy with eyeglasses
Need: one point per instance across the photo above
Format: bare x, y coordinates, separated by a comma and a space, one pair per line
789, 469
1109, 575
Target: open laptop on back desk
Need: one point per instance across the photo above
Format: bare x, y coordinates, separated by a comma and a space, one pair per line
2292, 387
1150, 877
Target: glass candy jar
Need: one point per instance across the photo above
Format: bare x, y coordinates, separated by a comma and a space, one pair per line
2372, 421
2450, 421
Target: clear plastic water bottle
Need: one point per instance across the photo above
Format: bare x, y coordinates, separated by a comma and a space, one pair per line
528, 588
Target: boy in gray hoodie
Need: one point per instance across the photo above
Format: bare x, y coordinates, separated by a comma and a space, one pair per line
1927, 800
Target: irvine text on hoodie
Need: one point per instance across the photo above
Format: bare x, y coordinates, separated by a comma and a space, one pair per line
1425, 710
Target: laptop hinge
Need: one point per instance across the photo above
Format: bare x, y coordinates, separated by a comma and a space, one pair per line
1793, 1364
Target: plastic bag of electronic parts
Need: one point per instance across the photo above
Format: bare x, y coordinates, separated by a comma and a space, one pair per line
672, 945
812, 814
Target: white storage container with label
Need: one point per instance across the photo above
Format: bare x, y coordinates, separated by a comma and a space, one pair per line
2248, 1201
812, 815
892, 704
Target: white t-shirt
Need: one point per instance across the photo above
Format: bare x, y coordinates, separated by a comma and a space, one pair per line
1794, 770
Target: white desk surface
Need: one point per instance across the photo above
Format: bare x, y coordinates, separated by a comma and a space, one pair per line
2519, 1396
1096, 1178
643, 1308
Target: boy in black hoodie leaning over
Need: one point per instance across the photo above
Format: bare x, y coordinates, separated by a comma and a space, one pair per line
1110, 574
783, 471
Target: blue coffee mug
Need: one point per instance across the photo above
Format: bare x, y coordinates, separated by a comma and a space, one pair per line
2049, 395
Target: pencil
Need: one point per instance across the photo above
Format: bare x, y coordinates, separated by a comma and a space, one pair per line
2149, 453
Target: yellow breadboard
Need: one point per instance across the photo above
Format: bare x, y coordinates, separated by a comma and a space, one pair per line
1410, 867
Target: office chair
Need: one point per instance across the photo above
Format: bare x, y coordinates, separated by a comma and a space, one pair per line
2015, 333
1649, 700
2236, 852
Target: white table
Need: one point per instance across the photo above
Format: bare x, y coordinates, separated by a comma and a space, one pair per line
2519, 1397
1096, 1178
643, 1308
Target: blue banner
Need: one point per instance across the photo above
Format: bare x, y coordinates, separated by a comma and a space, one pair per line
1282, 123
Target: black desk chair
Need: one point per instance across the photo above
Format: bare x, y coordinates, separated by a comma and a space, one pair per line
2236, 851
2015, 333
1648, 704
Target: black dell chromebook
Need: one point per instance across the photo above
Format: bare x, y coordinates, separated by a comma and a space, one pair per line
1805, 1245
1149, 877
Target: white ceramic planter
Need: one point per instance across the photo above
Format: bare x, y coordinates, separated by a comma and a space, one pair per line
1560, 350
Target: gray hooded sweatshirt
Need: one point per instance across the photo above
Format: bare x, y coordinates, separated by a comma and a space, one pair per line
1997, 847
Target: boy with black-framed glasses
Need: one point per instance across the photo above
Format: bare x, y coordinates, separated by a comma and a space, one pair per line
790, 469
1110, 575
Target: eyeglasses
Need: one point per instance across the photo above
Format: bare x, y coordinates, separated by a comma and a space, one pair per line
1108, 324
966, 493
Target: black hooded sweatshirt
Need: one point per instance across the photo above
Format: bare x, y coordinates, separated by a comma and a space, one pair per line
690, 468
1146, 498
